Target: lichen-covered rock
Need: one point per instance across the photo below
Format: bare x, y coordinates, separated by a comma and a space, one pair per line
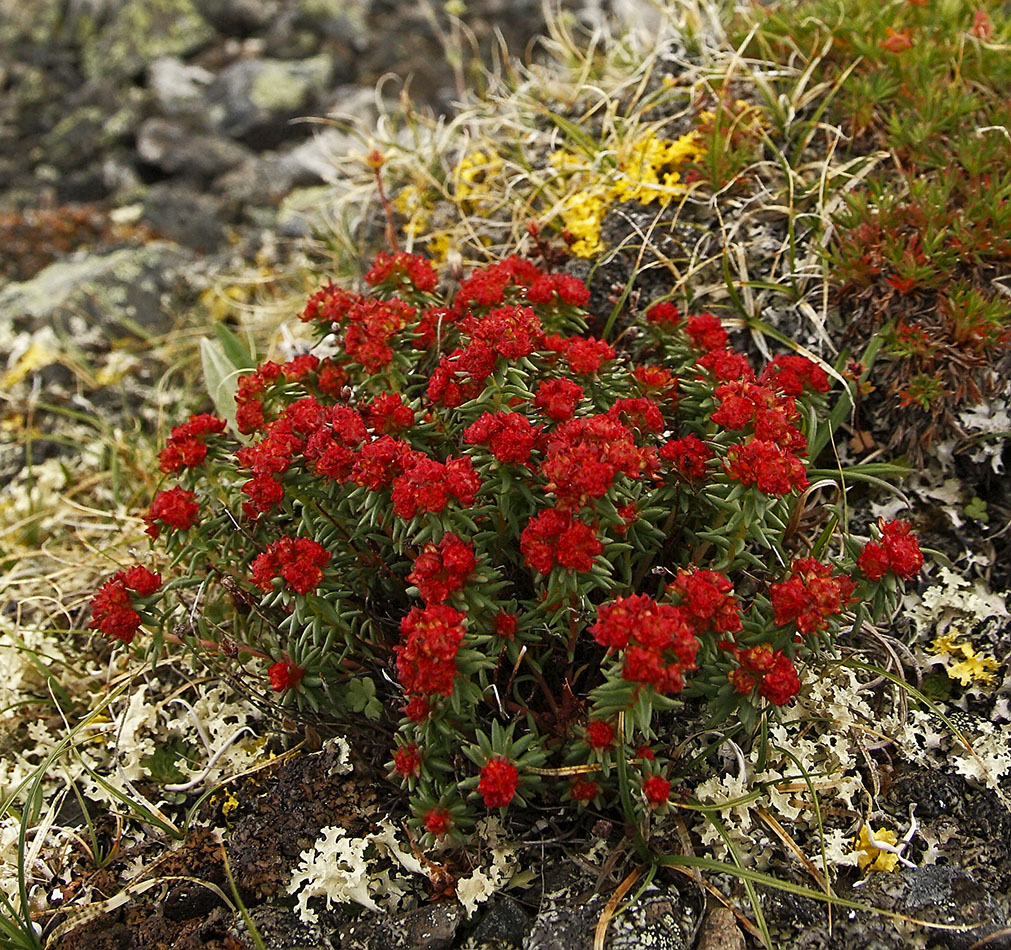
138, 33
178, 88
99, 297
255, 99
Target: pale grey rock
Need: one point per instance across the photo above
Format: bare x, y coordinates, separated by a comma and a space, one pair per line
178, 88
95, 298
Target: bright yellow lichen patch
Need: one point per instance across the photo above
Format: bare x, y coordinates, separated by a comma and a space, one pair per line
475, 174
872, 858
973, 667
229, 805
647, 170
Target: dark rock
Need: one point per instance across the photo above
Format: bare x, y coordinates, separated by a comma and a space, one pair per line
950, 895
341, 27
255, 99
432, 927
720, 931
238, 17
505, 924
279, 926
568, 913
174, 147
83, 185
187, 217
425, 928
262, 180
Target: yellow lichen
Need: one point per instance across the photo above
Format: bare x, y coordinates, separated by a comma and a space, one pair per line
229, 805
474, 175
872, 858
647, 170
973, 667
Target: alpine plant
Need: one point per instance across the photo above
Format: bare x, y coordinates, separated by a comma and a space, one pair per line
512, 541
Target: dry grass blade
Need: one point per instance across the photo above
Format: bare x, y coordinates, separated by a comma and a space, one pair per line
794, 848
600, 933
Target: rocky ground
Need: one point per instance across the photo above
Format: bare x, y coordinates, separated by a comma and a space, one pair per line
147, 146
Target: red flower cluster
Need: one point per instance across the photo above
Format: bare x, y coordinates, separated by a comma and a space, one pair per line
706, 332
112, 609
584, 455
688, 455
498, 783
371, 325
486, 287
434, 322
404, 272
726, 365
443, 568
187, 443
558, 398
175, 508
299, 562
660, 382
250, 414
583, 355
426, 660
773, 672
898, 552
461, 374
380, 462
567, 289
509, 436
639, 413
795, 375
810, 596
657, 790
330, 450
775, 470
505, 625
438, 821
426, 484
599, 734
284, 675
511, 332
663, 314
553, 536
743, 403
387, 414
658, 640
709, 601
583, 789
407, 760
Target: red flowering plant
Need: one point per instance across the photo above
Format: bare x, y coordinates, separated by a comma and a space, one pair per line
516, 543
